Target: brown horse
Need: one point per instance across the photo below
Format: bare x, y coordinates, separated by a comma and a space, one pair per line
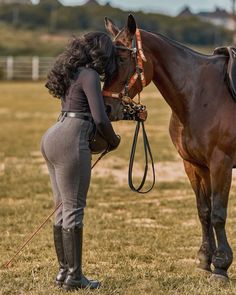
202, 125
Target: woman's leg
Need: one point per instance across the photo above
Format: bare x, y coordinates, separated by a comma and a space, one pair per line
57, 227
67, 147
55, 188
73, 179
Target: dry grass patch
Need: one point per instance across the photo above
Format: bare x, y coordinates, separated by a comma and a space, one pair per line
134, 244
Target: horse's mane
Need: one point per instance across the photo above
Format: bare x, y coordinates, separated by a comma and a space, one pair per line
178, 44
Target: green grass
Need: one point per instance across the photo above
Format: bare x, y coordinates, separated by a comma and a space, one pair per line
134, 244
18, 42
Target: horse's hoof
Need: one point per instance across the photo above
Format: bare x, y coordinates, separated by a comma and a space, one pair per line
215, 278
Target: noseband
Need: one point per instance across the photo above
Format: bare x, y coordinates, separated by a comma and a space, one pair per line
132, 107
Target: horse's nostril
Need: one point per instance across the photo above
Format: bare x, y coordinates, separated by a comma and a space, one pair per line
108, 109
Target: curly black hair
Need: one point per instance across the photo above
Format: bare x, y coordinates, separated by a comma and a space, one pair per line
94, 50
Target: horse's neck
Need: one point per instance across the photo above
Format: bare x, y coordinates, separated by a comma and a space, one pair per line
173, 69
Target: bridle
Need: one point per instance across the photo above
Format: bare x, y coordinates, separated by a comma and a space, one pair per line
131, 108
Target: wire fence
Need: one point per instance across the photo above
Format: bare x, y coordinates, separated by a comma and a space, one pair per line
25, 67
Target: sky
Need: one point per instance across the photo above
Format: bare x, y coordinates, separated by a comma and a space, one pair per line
167, 6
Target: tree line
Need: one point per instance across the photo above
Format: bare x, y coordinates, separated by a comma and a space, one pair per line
51, 16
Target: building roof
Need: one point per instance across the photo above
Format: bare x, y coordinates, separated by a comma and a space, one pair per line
186, 11
219, 13
92, 2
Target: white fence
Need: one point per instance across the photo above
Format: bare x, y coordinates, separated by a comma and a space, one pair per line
24, 67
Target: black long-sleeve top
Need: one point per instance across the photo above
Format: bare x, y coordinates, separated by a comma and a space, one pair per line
85, 96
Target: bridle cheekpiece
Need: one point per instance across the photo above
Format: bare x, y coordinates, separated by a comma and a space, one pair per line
132, 107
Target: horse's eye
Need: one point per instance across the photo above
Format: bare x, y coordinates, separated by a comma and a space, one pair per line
122, 59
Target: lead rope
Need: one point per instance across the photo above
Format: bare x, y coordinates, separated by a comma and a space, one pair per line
146, 145
148, 154
5, 265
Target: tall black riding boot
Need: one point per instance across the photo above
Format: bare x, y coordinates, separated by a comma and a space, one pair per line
73, 240
58, 242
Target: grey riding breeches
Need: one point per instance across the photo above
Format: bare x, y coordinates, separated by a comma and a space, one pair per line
65, 147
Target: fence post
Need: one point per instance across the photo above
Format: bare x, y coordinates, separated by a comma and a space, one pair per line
10, 67
35, 68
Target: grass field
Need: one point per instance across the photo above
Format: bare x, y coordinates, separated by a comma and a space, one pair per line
134, 244
17, 42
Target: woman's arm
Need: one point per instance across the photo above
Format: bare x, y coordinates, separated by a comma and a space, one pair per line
92, 89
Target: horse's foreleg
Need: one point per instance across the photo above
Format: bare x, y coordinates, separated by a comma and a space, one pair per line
200, 181
221, 176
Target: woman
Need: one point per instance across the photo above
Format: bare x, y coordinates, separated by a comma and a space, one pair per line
75, 79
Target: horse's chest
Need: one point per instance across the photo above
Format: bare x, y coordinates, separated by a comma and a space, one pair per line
178, 140
189, 147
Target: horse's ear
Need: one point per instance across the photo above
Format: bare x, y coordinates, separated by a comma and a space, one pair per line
111, 27
131, 25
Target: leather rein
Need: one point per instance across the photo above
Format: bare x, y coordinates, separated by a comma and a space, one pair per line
131, 108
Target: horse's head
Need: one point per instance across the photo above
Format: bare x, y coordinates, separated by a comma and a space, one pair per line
133, 70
